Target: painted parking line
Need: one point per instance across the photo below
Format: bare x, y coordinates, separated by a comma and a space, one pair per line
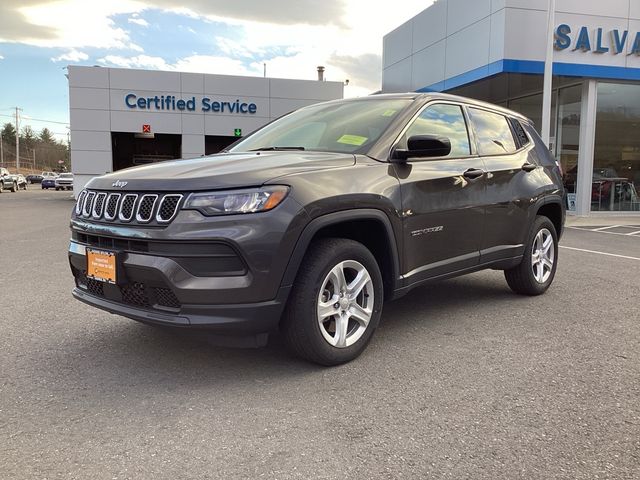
602, 230
605, 228
601, 253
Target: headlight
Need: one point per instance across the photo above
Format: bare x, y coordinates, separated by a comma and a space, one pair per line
236, 201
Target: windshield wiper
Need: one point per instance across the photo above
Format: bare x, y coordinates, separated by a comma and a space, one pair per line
263, 149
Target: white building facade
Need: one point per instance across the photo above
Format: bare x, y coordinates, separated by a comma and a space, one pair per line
123, 117
494, 50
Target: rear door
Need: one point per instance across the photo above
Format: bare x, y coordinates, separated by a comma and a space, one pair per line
511, 172
442, 198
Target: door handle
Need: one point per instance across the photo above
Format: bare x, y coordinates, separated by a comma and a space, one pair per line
473, 173
529, 167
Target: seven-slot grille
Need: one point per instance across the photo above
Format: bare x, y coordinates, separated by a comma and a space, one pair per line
128, 207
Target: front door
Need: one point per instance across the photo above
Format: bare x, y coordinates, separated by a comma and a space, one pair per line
442, 198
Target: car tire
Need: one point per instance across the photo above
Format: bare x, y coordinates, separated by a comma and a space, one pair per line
14, 187
536, 271
314, 334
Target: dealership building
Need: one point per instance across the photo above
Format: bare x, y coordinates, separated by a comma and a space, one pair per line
124, 117
494, 50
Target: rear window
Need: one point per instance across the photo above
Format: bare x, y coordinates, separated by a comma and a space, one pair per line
493, 132
521, 136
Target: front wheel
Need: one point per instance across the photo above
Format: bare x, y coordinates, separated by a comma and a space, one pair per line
14, 187
335, 304
538, 267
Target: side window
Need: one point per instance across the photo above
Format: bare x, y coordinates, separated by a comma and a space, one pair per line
442, 120
522, 137
493, 132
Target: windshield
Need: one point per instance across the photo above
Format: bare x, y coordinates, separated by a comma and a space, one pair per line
66, 175
347, 127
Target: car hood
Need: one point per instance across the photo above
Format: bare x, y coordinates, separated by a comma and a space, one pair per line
220, 171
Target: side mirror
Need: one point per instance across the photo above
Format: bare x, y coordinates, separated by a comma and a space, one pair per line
424, 146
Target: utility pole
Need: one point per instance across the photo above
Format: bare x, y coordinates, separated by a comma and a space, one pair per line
1, 151
17, 140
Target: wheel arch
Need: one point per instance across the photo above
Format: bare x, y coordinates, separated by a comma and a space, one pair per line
370, 227
552, 209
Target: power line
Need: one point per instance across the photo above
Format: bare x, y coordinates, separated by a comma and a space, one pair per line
24, 117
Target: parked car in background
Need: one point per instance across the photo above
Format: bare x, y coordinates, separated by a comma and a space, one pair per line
34, 178
7, 181
37, 178
21, 181
48, 182
64, 181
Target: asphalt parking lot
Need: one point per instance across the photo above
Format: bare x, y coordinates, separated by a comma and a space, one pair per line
463, 379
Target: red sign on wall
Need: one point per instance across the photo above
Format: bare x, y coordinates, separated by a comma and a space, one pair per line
146, 128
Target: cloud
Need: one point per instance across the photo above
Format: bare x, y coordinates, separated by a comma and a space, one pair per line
16, 26
56, 24
362, 70
139, 61
65, 23
138, 21
72, 55
280, 12
193, 63
1, 57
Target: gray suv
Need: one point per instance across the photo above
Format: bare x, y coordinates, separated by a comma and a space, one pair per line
311, 223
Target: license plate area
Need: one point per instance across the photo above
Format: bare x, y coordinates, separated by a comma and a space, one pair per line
102, 265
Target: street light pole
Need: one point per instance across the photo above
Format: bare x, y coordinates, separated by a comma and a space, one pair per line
548, 75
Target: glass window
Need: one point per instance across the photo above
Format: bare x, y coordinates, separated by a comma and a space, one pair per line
616, 160
568, 135
346, 127
442, 120
493, 132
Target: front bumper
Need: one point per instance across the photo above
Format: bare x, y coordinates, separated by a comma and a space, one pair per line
219, 273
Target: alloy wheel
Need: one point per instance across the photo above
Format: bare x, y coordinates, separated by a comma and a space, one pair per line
345, 303
543, 253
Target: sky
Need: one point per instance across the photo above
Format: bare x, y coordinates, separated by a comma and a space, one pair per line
38, 39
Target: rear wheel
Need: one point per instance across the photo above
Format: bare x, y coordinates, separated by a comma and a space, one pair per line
14, 187
335, 304
538, 267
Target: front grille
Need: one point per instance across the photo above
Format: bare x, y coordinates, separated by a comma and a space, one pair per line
94, 287
166, 298
88, 204
145, 208
80, 202
98, 204
168, 208
135, 294
126, 208
111, 210
142, 208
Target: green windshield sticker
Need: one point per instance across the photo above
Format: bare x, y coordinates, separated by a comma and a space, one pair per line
352, 140
389, 113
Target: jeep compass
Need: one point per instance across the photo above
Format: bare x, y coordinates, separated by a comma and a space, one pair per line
311, 223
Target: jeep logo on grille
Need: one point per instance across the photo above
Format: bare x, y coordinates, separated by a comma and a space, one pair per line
119, 183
